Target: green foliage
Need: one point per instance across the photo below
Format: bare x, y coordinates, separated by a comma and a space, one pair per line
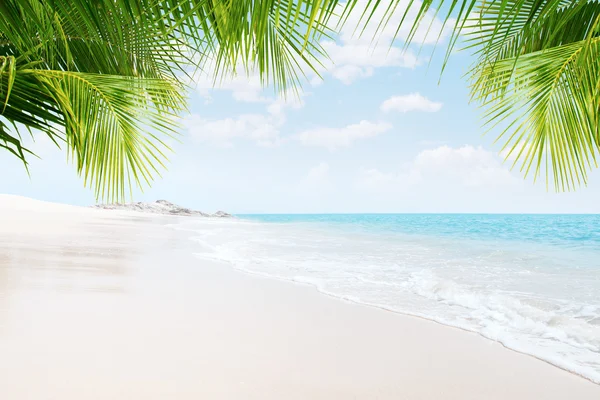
536, 74
542, 80
107, 78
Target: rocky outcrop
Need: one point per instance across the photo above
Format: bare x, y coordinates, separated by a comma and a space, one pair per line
160, 207
221, 214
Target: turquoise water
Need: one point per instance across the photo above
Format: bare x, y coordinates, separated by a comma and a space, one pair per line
531, 282
571, 231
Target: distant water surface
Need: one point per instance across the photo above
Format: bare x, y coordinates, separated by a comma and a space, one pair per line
531, 282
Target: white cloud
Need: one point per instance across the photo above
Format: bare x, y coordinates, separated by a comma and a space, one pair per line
520, 151
351, 60
245, 86
263, 129
349, 73
466, 165
443, 168
316, 81
359, 50
410, 102
427, 33
259, 128
357, 53
333, 138
289, 100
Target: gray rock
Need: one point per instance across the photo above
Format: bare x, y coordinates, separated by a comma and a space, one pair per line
221, 214
160, 207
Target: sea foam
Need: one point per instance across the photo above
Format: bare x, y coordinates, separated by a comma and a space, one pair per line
534, 286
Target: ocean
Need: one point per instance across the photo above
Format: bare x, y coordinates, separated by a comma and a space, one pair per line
530, 282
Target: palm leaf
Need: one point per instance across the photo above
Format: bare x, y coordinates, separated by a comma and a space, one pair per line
536, 75
552, 119
107, 78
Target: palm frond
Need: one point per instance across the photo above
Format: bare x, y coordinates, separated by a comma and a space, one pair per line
536, 75
108, 136
108, 77
550, 102
277, 38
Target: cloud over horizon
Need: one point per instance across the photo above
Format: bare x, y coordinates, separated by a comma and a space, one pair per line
442, 167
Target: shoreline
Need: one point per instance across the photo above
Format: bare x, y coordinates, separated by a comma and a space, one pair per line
117, 303
591, 375
402, 313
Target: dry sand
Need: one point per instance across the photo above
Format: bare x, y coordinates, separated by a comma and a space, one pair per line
97, 304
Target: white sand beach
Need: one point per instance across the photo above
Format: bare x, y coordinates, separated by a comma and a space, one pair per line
99, 304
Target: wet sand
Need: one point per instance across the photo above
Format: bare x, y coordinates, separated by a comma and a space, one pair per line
97, 304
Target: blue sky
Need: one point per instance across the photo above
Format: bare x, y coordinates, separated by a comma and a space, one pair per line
377, 134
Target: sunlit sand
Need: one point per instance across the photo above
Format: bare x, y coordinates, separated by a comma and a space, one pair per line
97, 304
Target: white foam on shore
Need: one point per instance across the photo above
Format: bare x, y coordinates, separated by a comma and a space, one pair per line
503, 295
